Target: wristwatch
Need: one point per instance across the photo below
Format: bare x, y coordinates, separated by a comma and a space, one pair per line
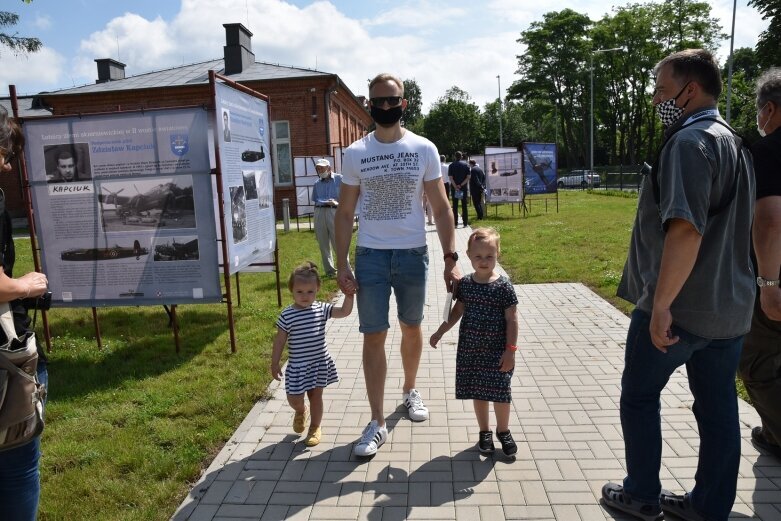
764, 282
452, 255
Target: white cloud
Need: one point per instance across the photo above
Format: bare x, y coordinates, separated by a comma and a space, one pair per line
44, 68
42, 22
140, 43
419, 15
413, 41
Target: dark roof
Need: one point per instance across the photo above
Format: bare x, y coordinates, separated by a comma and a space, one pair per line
195, 74
28, 106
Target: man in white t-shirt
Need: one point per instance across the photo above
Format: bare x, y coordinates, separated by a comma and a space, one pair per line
389, 170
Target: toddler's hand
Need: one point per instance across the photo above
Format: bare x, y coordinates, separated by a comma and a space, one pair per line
276, 372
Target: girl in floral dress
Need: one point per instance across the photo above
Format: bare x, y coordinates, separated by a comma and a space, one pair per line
486, 305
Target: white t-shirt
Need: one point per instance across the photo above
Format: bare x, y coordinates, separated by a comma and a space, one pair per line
390, 177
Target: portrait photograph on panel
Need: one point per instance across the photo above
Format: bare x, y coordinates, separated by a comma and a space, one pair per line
67, 163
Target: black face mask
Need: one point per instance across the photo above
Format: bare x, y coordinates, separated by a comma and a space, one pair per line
386, 118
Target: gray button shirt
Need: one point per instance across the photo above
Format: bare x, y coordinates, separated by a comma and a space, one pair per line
696, 172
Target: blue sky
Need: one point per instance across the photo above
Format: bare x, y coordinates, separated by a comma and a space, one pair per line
439, 43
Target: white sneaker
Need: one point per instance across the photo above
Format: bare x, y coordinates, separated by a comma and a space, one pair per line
372, 439
414, 404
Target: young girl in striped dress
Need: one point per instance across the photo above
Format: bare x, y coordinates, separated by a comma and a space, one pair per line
310, 367
486, 339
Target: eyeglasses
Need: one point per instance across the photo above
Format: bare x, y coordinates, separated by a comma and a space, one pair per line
8, 157
392, 101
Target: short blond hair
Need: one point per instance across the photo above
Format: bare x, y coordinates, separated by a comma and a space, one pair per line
487, 235
383, 77
305, 271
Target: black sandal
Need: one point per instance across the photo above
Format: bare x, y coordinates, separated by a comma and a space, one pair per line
613, 495
680, 506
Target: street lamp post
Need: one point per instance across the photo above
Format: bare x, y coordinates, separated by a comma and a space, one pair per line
591, 89
499, 83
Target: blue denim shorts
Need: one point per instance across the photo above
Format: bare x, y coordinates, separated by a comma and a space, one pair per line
377, 271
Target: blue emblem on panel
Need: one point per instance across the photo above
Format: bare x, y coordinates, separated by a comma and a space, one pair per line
261, 127
180, 144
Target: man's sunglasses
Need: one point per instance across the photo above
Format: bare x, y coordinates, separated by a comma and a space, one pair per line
392, 101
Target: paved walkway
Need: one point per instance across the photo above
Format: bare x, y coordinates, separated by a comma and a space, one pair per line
565, 419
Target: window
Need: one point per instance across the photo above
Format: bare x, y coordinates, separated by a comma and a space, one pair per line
283, 161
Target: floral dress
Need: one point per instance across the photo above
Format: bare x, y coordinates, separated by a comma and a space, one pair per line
482, 339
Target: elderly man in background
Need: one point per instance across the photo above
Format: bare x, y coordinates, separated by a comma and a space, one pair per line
760, 361
325, 195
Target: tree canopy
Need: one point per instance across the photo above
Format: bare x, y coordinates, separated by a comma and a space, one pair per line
17, 44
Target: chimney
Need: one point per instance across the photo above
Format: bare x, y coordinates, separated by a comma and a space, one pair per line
238, 49
110, 70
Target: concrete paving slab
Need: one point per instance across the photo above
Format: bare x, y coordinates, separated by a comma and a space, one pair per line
565, 419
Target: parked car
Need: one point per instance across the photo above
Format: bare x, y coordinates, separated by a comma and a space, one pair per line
580, 178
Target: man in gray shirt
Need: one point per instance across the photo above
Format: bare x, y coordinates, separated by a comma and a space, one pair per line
689, 273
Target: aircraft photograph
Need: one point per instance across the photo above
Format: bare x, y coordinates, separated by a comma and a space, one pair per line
169, 249
99, 254
540, 176
147, 203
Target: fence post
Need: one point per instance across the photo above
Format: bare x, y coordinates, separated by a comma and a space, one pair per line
286, 213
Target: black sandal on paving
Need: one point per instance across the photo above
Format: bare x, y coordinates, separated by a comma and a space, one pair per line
613, 495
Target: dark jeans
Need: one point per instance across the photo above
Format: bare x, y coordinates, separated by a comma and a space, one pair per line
711, 367
477, 200
20, 485
464, 210
760, 370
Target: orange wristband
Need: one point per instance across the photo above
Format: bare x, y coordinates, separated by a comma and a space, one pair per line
510, 347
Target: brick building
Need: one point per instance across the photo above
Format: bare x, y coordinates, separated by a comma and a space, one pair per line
311, 112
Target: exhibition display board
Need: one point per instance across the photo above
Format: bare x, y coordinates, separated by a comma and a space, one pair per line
539, 168
503, 176
247, 176
123, 207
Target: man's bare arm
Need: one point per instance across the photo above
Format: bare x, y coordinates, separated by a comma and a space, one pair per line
343, 229
443, 220
766, 232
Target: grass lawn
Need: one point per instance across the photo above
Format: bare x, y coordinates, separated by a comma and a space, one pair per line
586, 241
130, 427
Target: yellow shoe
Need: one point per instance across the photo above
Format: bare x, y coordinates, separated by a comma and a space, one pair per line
313, 438
299, 420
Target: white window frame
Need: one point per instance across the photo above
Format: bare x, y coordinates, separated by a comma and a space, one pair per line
275, 141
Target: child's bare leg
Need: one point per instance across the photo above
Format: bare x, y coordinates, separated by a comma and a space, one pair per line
481, 412
315, 406
502, 411
296, 401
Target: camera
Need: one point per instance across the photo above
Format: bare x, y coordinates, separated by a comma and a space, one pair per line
43, 303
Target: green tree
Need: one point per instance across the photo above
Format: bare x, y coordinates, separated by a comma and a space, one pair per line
685, 24
454, 123
414, 103
17, 44
769, 44
514, 128
555, 67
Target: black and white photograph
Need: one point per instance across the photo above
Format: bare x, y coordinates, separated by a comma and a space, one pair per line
226, 125
148, 203
265, 190
68, 163
117, 251
250, 184
183, 248
238, 214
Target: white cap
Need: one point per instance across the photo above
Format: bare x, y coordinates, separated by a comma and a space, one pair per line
322, 162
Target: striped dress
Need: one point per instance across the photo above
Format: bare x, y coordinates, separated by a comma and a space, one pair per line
482, 337
309, 364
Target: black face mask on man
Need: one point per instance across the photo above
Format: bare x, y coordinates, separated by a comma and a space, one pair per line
386, 118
